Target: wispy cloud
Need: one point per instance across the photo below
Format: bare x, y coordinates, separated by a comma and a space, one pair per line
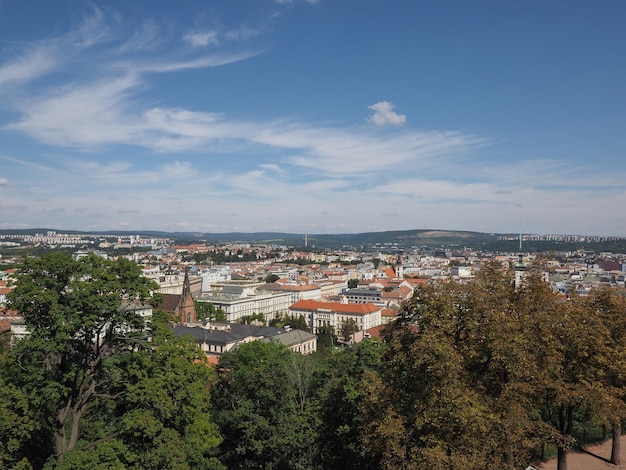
202, 39
30, 65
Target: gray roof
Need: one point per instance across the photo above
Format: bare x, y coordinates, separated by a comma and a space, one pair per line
289, 338
239, 332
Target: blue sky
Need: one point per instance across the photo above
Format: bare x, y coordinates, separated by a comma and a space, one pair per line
326, 116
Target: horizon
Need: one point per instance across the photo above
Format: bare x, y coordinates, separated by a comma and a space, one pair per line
305, 234
333, 117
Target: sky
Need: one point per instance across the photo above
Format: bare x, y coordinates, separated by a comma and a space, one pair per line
316, 116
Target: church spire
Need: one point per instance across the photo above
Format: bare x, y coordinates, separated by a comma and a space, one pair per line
186, 308
186, 284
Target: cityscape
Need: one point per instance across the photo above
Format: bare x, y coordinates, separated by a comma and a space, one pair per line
312, 234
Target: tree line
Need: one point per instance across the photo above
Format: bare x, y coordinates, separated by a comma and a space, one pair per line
476, 375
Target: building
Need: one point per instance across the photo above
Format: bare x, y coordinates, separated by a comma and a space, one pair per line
186, 308
363, 296
181, 306
217, 338
243, 300
323, 314
305, 292
171, 282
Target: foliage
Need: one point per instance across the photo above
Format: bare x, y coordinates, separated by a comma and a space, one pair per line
472, 375
295, 322
92, 386
253, 319
326, 337
271, 278
341, 394
262, 406
353, 283
348, 328
208, 311
73, 311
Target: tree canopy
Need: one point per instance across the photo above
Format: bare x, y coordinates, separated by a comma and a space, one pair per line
473, 375
92, 376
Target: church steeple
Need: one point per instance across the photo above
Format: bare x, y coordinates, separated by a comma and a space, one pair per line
186, 308
398, 269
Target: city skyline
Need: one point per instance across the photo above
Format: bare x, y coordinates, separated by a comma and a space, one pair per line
313, 116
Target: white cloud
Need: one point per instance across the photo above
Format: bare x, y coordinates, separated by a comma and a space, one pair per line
384, 114
202, 39
29, 66
5, 183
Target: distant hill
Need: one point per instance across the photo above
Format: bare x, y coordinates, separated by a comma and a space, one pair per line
369, 241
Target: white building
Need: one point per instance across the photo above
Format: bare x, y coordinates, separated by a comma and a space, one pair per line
298, 293
319, 314
240, 301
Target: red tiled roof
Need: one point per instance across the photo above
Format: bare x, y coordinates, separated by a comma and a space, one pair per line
314, 305
387, 312
170, 302
301, 288
5, 325
375, 331
401, 293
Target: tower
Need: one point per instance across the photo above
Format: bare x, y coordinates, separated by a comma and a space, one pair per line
520, 267
186, 308
399, 270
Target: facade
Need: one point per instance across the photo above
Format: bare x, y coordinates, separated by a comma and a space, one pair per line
239, 301
323, 314
171, 282
363, 296
213, 276
305, 292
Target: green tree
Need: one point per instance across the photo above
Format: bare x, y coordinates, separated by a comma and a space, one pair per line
295, 322
263, 412
156, 412
340, 398
208, 311
326, 337
348, 328
353, 283
251, 319
73, 312
271, 278
19, 426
